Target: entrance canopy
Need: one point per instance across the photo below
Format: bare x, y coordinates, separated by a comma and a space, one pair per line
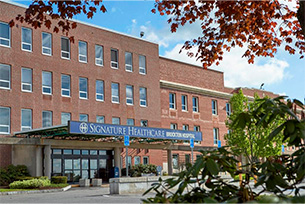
83, 129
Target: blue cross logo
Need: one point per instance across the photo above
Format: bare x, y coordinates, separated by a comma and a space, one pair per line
83, 127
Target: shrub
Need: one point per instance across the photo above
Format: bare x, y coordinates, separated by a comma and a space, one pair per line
59, 179
12, 173
29, 184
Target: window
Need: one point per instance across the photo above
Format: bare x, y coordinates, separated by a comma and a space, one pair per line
65, 117
116, 121
175, 161
228, 109
128, 61
129, 162
4, 120
137, 160
99, 90
115, 98
26, 119
65, 85
114, 59
26, 80
195, 104
83, 117
143, 98
83, 87
172, 101
142, 64
129, 94
82, 51
173, 126
130, 121
215, 135
145, 160
5, 34
185, 127
184, 102
187, 158
100, 119
214, 107
65, 48
144, 123
197, 129
99, 56
26, 39
46, 43
46, 82
5, 76
46, 118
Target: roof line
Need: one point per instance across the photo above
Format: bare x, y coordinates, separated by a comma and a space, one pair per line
88, 24
39, 129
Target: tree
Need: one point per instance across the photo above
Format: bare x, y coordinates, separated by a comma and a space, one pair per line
261, 26
252, 142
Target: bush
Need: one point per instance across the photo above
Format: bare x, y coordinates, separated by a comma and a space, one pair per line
59, 179
30, 184
11, 173
137, 170
22, 178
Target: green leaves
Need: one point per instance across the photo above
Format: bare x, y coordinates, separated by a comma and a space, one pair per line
212, 167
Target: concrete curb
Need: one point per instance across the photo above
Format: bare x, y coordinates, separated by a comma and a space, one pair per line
36, 191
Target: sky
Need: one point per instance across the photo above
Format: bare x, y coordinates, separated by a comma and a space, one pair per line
284, 74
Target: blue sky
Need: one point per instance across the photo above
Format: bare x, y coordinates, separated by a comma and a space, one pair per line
283, 74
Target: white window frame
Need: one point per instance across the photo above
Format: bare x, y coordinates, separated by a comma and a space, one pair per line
24, 83
99, 94
26, 43
130, 119
101, 117
142, 70
113, 62
84, 115
114, 98
195, 106
51, 118
144, 101
6, 81
64, 89
214, 107
85, 56
138, 160
101, 59
46, 86
128, 67
81, 92
63, 51
118, 120
228, 109
142, 122
184, 106
129, 100
47, 48
24, 128
173, 126
215, 136
197, 130
61, 115
172, 105
6, 39
9, 121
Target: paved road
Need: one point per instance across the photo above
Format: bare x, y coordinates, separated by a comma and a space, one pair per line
74, 195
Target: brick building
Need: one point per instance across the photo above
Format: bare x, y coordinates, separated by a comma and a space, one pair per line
103, 77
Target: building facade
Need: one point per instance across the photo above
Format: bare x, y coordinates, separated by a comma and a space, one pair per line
101, 77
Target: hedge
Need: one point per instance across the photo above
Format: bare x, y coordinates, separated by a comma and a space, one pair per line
59, 179
30, 184
12, 173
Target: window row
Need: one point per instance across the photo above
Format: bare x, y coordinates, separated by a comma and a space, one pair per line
195, 105
46, 47
47, 119
27, 84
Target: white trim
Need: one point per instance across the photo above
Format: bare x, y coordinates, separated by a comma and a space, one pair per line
43, 47
9, 121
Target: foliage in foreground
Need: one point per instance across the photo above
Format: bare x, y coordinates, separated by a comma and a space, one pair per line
280, 176
12, 173
30, 184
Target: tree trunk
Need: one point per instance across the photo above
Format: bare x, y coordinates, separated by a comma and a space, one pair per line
301, 15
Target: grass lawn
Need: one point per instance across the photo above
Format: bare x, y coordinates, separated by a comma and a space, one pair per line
52, 186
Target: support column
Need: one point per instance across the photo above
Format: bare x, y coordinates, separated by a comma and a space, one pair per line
170, 162
38, 161
47, 161
117, 159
